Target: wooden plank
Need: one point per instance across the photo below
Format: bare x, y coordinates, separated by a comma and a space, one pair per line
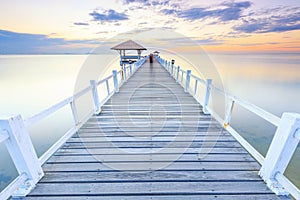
149, 138
109, 151
115, 176
150, 157
151, 188
148, 134
162, 123
213, 143
256, 196
158, 130
110, 106
185, 166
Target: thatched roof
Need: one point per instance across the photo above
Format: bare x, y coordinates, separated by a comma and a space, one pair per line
129, 45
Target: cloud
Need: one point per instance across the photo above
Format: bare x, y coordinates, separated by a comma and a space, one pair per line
191, 41
108, 15
81, 24
145, 3
273, 23
135, 1
25, 43
168, 11
209, 41
226, 12
148, 2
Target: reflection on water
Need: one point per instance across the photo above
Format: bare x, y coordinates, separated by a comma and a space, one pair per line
29, 84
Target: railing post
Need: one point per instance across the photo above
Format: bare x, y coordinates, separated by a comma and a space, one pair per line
281, 150
74, 112
97, 108
196, 85
22, 152
130, 69
167, 66
178, 70
206, 97
107, 87
229, 110
125, 72
115, 77
187, 80
135, 66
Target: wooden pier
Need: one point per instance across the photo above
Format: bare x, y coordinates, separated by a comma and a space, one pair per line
151, 141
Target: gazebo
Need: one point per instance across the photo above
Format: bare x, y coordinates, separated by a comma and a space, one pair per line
156, 53
128, 45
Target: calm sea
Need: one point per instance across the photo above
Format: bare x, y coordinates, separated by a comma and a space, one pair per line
31, 83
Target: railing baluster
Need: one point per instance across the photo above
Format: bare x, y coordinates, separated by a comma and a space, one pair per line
206, 97
97, 108
22, 152
107, 87
125, 71
196, 85
115, 77
187, 81
177, 75
168, 65
74, 112
130, 69
228, 112
280, 152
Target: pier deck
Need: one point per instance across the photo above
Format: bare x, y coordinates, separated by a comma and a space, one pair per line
151, 141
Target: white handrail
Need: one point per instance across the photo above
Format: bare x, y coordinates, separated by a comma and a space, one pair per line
198, 79
282, 147
47, 112
18, 124
251, 107
82, 92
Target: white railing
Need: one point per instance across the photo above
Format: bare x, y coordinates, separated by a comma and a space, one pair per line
14, 134
284, 142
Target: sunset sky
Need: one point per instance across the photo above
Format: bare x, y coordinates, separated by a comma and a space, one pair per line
64, 26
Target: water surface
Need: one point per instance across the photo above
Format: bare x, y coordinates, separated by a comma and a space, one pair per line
31, 83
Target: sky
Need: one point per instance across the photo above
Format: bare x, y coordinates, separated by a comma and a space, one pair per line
77, 26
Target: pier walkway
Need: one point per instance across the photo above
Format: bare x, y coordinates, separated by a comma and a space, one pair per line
151, 141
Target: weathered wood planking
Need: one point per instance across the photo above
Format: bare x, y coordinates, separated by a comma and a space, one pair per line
248, 196
151, 122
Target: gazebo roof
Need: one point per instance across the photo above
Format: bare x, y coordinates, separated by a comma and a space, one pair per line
129, 45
